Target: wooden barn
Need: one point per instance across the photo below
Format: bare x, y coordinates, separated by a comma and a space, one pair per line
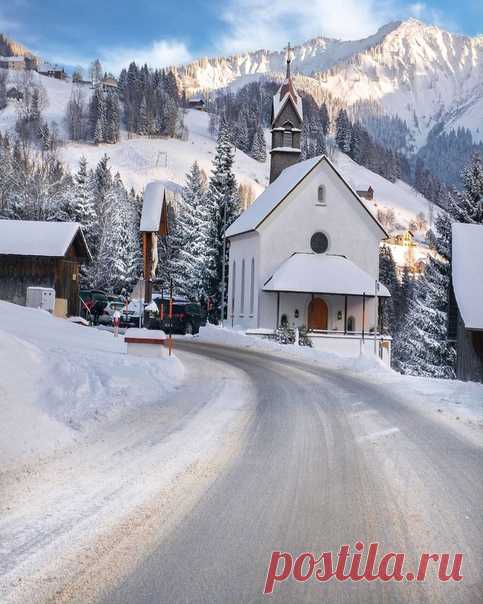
467, 257
42, 254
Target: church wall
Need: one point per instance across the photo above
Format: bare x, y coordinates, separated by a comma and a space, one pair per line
350, 230
243, 248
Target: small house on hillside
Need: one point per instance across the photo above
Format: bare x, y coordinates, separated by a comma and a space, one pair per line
196, 102
16, 63
467, 256
42, 254
51, 71
403, 237
366, 193
109, 83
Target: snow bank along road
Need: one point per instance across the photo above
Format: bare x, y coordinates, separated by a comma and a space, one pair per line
328, 459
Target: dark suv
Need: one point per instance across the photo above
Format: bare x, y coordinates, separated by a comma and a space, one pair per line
187, 317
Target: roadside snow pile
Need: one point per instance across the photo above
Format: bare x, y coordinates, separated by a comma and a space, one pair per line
231, 337
451, 399
56, 377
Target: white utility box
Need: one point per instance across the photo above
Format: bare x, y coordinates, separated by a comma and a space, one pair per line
41, 297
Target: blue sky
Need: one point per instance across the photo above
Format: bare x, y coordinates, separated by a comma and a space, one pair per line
163, 32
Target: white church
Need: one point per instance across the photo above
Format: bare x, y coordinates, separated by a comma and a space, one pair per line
306, 252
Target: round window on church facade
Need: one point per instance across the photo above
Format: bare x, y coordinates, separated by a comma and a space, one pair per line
319, 243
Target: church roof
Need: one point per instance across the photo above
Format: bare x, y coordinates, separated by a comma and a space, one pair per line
467, 243
323, 274
278, 190
281, 98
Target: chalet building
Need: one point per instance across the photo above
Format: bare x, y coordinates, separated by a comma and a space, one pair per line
15, 63
404, 238
109, 83
42, 254
366, 193
51, 71
467, 255
197, 102
306, 252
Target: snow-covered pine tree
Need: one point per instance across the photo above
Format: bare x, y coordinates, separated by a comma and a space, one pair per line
84, 209
388, 277
467, 205
224, 205
259, 146
117, 260
423, 345
324, 119
343, 132
3, 90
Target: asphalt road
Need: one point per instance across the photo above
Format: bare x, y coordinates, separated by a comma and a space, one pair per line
329, 459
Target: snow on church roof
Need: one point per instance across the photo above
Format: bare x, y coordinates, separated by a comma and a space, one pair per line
152, 207
37, 238
323, 274
277, 191
468, 282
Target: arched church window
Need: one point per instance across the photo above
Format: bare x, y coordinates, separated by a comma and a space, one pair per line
319, 243
351, 324
321, 194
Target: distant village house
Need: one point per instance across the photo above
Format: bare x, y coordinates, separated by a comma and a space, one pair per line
366, 193
51, 71
196, 102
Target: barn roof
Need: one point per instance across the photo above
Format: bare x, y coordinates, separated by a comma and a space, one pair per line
467, 250
323, 274
37, 238
278, 190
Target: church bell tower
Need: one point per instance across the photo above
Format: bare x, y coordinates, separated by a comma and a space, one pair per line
287, 120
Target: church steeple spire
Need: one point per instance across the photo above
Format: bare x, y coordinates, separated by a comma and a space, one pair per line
287, 118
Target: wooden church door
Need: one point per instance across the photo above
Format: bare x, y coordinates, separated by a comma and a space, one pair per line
318, 314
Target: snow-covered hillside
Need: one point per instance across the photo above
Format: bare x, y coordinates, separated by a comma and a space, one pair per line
141, 159
421, 73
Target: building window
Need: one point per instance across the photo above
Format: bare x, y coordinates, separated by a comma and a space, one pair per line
287, 138
252, 287
242, 291
321, 195
233, 289
319, 243
351, 324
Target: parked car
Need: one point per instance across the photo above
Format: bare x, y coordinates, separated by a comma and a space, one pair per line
187, 316
106, 317
93, 302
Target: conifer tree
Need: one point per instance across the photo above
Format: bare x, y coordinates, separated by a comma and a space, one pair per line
259, 146
224, 206
343, 133
424, 348
388, 277
467, 205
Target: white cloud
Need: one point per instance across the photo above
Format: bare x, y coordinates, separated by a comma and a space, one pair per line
160, 53
417, 9
255, 24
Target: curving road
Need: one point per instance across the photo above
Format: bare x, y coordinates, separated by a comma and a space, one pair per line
328, 459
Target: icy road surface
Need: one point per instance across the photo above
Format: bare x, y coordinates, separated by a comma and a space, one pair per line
328, 460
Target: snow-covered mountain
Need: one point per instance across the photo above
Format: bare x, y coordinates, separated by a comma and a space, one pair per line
421, 73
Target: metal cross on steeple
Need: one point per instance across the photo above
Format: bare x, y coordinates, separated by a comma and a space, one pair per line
289, 59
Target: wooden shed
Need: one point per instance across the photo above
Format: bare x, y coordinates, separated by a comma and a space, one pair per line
42, 254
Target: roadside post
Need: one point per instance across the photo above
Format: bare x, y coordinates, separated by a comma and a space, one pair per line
170, 317
376, 291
